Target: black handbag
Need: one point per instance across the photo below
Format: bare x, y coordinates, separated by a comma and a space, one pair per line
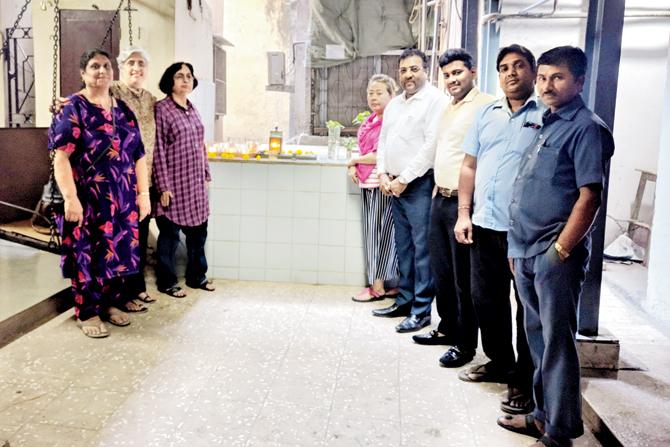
50, 205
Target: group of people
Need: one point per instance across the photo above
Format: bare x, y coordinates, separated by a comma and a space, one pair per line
467, 197
121, 156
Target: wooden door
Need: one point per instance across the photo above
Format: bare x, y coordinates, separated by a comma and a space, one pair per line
82, 30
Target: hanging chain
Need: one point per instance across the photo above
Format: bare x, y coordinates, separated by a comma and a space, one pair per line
10, 33
54, 238
111, 25
130, 24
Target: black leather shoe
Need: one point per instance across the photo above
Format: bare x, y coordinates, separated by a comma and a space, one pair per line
413, 323
431, 338
393, 311
454, 357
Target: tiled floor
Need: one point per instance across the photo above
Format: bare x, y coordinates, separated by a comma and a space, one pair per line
253, 364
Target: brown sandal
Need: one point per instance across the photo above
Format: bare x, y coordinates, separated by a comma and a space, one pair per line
99, 325
117, 317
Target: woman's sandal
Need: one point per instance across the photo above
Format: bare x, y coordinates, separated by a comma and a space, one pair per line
529, 428
146, 298
86, 327
117, 317
174, 292
517, 402
135, 307
367, 295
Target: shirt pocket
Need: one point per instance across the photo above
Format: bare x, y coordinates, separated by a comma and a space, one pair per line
547, 158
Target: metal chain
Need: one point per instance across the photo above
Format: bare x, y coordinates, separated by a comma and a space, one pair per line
54, 237
111, 24
10, 33
130, 24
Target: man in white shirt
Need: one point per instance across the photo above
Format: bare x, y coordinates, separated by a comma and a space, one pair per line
405, 156
449, 260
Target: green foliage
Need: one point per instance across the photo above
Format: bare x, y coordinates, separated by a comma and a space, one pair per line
360, 117
332, 125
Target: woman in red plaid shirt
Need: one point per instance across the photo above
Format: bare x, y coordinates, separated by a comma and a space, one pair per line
181, 175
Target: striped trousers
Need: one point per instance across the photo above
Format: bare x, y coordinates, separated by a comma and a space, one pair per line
378, 236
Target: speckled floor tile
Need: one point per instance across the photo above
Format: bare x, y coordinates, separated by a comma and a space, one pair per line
252, 364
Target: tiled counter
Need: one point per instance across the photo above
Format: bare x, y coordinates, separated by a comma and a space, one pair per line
288, 221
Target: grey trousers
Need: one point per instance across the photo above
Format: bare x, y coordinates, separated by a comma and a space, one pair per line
549, 290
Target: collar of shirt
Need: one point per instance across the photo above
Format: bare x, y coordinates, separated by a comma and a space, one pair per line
418, 95
472, 94
188, 103
502, 103
567, 112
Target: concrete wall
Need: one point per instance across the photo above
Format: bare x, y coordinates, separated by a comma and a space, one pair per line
642, 76
255, 27
657, 302
153, 25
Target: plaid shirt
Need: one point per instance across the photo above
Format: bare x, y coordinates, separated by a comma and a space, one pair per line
180, 163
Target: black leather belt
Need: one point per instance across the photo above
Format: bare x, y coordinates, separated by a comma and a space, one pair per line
446, 192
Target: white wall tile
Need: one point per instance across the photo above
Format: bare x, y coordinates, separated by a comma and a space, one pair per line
354, 279
307, 178
305, 231
225, 273
252, 274
306, 204
280, 178
336, 278
304, 257
278, 275
334, 179
252, 229
279, 203
254, 202
354, 210
331, 259
254, 176
304, 276
225, 174
354, 260
278, 256
226, 254
252, 255
279, 230
225, 201
224, 228
331, 232
333, 206
354, 234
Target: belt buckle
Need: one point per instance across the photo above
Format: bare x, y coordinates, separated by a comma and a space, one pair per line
446, 192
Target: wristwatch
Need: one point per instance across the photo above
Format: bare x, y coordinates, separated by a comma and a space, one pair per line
402, 180
562, 252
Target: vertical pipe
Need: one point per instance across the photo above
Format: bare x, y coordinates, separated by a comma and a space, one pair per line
604, 28
470, 27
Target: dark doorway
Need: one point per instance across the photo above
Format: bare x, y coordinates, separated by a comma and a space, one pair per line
82, 30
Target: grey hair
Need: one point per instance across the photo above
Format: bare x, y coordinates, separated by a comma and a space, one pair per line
391, 85
129, 51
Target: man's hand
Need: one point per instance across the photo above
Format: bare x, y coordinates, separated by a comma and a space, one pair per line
397, 188
144, 205
463, 230
74, 212
385, 184
166, 198
353, 174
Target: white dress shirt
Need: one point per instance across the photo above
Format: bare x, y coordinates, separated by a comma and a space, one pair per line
408, 137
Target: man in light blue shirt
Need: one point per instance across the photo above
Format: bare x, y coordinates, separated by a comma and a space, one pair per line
494, 147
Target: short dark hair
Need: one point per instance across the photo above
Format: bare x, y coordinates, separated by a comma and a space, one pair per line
167, 80
456, 54
87, 55
518, 49
573, 57
409, 52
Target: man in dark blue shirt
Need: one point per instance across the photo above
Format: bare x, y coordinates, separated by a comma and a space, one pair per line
556, 195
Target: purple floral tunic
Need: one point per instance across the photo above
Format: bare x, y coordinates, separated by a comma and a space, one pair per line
106, 245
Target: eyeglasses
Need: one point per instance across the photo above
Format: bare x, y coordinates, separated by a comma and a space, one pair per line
413, 69
183, 77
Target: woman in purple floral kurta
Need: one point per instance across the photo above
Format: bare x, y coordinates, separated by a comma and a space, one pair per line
100, 169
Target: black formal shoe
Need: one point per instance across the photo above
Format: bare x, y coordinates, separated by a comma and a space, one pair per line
455, 357
431, 338
393, 311
413, 323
